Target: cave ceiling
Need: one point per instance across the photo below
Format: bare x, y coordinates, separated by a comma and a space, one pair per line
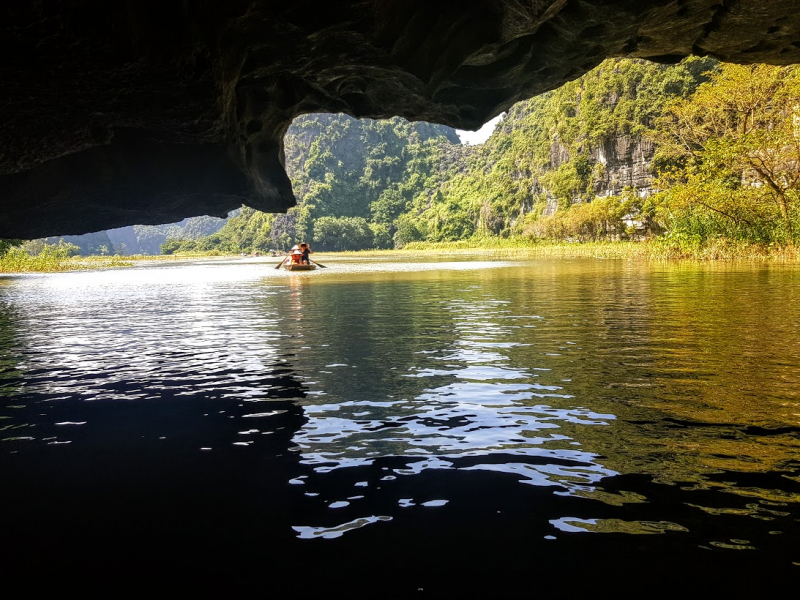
114, 113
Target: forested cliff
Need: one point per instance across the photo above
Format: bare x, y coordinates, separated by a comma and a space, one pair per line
598, 158
365, 183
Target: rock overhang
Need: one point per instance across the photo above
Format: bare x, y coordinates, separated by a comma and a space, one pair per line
120, 113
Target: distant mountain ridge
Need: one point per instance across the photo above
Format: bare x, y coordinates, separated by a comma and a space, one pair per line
142, 239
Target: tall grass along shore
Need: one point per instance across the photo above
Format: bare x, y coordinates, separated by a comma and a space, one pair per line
663, 248
52, 259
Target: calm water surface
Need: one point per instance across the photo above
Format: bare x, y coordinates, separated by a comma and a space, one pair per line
401, 429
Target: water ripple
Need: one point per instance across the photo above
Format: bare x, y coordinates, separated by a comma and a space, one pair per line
627, 397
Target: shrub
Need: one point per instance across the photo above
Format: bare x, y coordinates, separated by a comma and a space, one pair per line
342, 233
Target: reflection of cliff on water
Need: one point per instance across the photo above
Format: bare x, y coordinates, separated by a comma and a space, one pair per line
423, 368
564, 376
709, 376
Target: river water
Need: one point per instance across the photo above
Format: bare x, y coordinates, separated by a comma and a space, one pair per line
414, 429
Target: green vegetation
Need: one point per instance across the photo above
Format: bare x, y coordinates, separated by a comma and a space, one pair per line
545, 157
698, 159
729, 159
657, 248
6, 244
523, 247
721, 178
37, 256
361, 174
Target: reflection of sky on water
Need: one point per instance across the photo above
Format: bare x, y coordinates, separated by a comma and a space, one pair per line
474, 411
130, 334
304, 532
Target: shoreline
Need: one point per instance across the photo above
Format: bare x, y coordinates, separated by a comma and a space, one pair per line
655, 249
510, 248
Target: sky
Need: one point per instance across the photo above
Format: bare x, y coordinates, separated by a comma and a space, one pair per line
474, 138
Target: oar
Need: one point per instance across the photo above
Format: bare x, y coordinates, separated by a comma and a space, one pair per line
283, 260
318, 264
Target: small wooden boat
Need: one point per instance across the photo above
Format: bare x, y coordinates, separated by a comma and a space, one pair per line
298, 267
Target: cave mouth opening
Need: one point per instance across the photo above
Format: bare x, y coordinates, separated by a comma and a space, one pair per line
116, 115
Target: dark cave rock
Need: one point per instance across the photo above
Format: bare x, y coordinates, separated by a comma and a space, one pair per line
143, 112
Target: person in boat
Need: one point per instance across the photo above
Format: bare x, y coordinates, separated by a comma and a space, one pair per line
306, 251
295, 256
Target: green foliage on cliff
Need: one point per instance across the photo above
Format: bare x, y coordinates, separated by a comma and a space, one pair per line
548, 171
344, 169
550, 147
342, 233
729, 158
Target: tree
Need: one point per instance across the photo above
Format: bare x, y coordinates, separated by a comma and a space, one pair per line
409, 229
732, 150
342, 233
172, 246
389, 205
381, 236
6, 244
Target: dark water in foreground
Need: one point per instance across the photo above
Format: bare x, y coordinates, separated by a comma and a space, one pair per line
378, 429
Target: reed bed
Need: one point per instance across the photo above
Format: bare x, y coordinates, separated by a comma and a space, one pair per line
653, 249
52, 260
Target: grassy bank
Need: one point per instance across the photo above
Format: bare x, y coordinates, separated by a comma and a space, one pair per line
520, 247
16, 260
50, 260
721, 249
666, 248
670, 247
